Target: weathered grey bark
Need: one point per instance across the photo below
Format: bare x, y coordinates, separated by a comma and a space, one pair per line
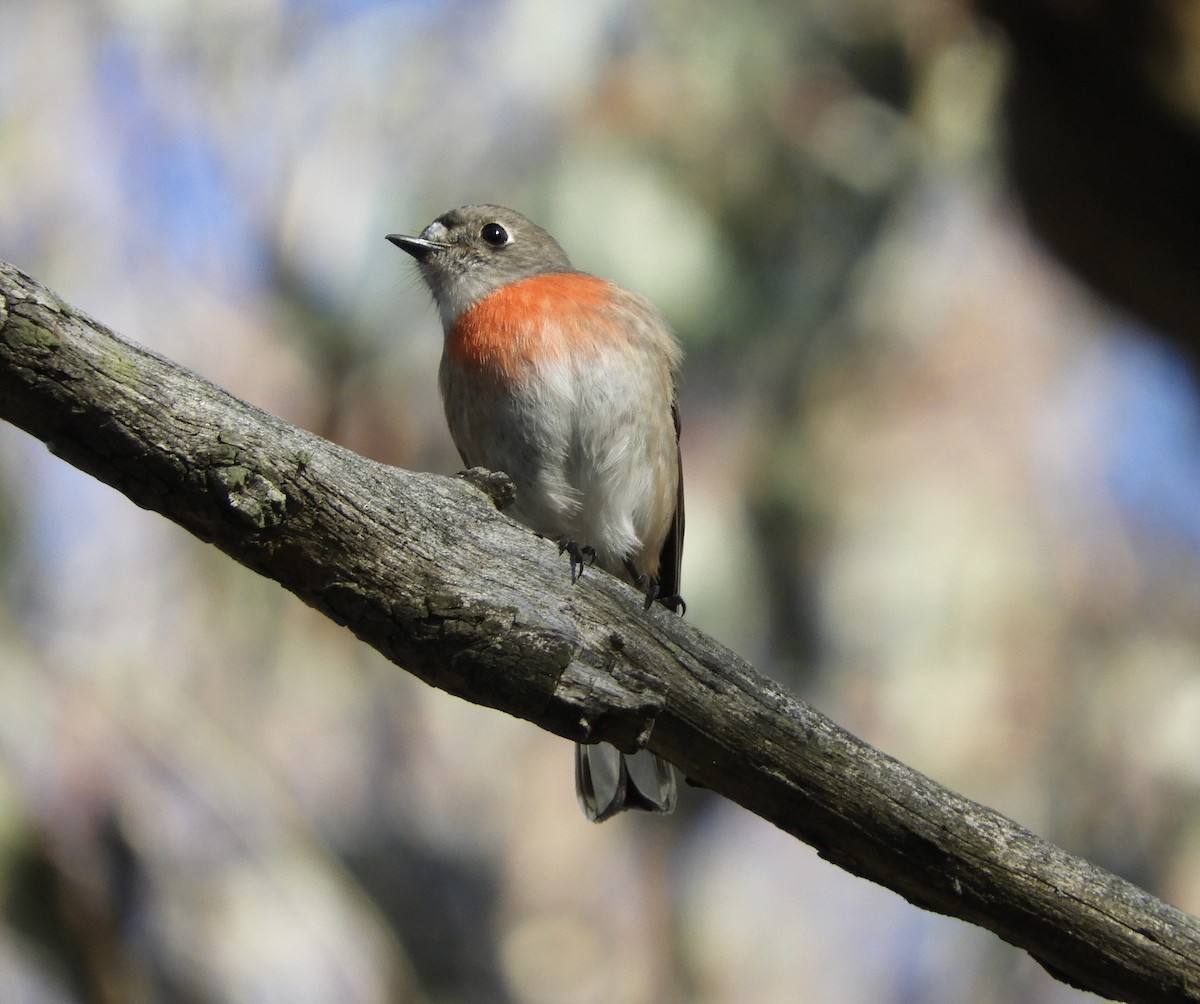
426, 570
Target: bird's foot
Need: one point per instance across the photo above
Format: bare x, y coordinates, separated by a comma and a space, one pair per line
651, 590
581, 557
675, 603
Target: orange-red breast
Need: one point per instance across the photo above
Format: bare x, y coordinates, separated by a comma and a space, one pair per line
566, 382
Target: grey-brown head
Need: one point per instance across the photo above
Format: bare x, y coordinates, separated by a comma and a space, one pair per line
467, 253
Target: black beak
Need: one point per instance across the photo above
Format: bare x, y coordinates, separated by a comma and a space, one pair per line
418, 247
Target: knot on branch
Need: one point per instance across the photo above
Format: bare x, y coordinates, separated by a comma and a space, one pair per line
608, 710
496, 485
251, 498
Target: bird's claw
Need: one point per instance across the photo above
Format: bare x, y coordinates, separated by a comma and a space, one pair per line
581, 557
651, 589
675, 603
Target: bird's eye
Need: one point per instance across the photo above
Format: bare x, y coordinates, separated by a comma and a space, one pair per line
495, 235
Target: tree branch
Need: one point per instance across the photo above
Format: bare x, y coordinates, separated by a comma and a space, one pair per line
426, 570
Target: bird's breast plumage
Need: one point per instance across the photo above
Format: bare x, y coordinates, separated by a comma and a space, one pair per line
533, 322
565, 382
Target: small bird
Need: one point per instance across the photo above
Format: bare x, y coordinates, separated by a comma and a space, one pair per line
566, 382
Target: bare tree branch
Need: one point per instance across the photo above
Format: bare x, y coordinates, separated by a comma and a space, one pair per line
427, 571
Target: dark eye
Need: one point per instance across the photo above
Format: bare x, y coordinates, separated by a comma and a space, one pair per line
494, 234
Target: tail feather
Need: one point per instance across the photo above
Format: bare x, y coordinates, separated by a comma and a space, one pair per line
608, 781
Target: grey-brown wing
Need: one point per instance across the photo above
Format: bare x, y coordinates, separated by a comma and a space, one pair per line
671, 556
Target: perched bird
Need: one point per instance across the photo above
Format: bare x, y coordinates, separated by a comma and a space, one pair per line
565, 382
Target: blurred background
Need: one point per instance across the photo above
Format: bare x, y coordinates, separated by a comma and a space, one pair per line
936, 485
